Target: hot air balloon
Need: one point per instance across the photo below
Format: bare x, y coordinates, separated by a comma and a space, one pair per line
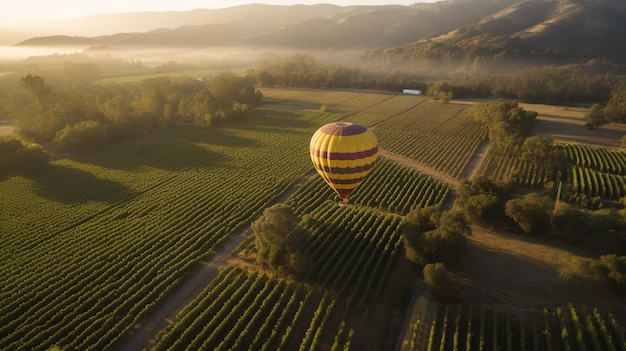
343, 154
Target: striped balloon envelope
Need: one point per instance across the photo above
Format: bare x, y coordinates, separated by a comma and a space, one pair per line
343, 154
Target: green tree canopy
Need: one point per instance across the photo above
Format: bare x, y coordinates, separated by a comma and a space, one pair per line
21, 158
594, 118
82, 136
542, 153
430, 235
532, 213
439, 282
615, 110
40, 111
482, 199
280, 240
508, 123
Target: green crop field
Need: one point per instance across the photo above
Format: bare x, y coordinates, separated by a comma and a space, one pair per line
101, 237
95, 245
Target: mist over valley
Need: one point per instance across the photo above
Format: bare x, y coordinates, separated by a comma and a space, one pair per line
425, 38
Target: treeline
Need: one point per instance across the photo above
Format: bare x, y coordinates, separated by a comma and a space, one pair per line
568, 84
491, 51
86, 115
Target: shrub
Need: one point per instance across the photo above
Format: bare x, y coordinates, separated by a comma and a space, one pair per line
531, 213
21, 158
440, 283
82, 136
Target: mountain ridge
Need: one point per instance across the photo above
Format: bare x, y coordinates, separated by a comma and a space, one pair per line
563, 28
294, 26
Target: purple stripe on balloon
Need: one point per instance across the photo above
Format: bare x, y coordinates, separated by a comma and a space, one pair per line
345, 170
343, 128
345, 156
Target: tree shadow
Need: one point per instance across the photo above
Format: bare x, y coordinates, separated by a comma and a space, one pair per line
73, 186
184, 147
497, 276
566, 131
275, 120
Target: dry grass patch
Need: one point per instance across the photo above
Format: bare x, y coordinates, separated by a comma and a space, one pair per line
567, 125
519, 272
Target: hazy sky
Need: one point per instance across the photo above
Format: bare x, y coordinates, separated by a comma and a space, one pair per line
16, 10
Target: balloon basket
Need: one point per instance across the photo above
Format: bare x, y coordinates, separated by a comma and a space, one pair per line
343, 202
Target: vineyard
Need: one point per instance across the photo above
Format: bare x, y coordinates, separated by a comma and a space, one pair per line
391, 187
442, 136
592, 173
93, 246
83, 262
353, 249
466, 327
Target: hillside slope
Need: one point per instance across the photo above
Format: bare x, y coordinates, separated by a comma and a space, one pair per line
298, 26
546, 29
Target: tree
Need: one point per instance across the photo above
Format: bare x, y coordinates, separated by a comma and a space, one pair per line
430, 235
82, 136
531, 213
508, 123
482, 208
483, 185
115, 105
445, 96
541, 152
265, 79
439, 282
153, 96
615, 110
594, 118
38, 86
280, 240
574, 224
609, 269
21, 158
482, 199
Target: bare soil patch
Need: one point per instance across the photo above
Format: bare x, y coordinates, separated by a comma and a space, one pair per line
567, 125
520, 273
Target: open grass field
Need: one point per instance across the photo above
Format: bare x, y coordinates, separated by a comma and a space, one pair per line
96, 247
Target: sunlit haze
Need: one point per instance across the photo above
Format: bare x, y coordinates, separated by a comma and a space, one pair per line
18, 10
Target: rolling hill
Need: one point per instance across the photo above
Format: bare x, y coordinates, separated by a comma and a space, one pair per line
450, 30
561, 29
299, 26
